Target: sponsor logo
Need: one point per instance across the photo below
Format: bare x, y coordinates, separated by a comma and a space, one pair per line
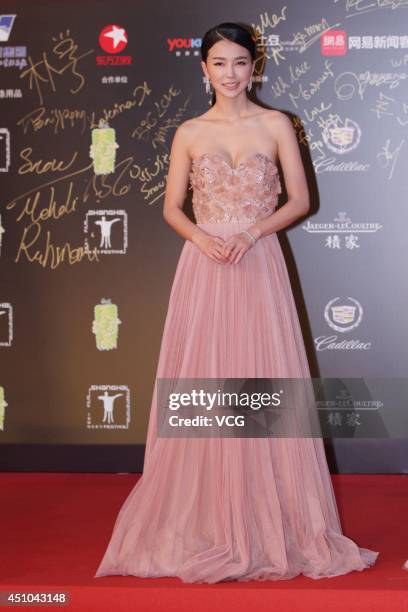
108, 407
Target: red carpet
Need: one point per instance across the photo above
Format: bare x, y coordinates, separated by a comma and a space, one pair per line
55, 528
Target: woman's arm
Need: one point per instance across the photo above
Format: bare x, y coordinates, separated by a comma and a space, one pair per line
177, 184
176, 187
290, 159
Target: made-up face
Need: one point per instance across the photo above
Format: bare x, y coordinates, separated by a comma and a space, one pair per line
229, 67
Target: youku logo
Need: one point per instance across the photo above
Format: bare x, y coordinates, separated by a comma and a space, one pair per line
342, 315
187, 45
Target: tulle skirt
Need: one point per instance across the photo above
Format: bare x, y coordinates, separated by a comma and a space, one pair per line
220, 509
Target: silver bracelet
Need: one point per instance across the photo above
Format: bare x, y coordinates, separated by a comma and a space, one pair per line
253, 239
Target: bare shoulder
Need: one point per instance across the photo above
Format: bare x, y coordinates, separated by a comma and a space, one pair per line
278, 120
186, 134
281, 129
187, 130
284, 128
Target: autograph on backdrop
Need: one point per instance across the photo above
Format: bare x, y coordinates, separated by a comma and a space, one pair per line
65, 195
43, 72
41, 204
64, 118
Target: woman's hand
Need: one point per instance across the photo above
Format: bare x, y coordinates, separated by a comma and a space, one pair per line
237, 245
212, 246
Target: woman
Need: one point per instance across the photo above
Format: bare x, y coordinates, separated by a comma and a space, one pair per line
218, 509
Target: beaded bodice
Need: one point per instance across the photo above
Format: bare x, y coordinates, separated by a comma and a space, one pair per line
222, 194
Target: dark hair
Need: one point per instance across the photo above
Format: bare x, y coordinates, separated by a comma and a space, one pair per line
235, 32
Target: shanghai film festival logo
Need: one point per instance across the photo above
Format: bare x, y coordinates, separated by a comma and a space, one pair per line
108, 407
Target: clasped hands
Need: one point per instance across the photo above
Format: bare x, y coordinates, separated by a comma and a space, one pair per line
226, 251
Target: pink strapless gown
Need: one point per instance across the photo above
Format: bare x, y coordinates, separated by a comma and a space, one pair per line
218, 509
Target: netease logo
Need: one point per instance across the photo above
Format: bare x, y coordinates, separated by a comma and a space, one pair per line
184, 43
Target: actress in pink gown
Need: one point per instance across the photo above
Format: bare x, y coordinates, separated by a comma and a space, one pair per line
220, 509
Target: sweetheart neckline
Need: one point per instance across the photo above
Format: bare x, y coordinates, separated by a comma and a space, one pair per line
241, 163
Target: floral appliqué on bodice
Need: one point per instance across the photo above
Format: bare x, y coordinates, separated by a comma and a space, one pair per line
222, 194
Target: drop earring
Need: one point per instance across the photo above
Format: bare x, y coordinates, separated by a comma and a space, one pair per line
249, 86
207, 85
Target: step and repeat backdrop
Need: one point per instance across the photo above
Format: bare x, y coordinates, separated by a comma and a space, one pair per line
90, 96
